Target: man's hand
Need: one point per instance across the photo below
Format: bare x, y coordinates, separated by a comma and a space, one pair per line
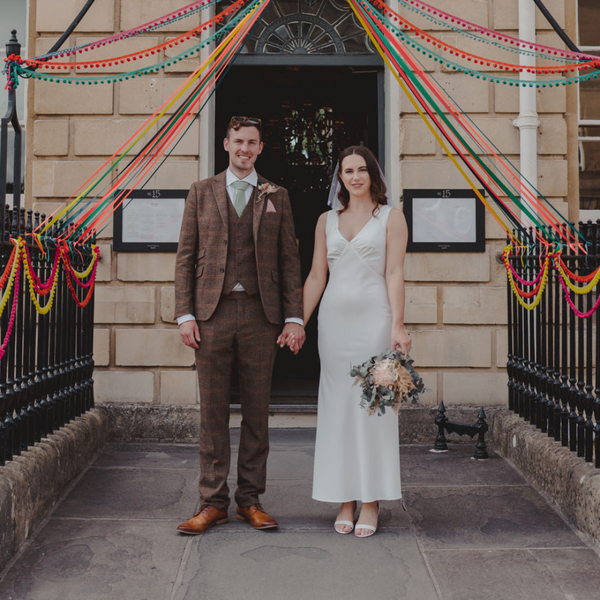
190, 333
293, 336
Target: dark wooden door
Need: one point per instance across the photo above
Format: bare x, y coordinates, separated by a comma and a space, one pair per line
309, 114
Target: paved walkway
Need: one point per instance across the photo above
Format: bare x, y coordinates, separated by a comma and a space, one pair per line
472, 530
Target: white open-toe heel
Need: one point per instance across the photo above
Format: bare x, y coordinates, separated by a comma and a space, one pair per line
372, 529
344, 522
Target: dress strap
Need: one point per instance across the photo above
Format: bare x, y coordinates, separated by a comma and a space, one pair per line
332, 219
384, 214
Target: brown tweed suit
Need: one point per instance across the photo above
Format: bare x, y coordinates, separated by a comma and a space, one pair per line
235, 327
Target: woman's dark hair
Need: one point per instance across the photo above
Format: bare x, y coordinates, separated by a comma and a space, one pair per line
378, 188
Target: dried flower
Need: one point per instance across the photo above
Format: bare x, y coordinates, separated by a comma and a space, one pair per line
265, 189
387, 380
384, 373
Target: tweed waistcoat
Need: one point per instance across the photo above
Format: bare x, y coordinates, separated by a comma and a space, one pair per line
241, 254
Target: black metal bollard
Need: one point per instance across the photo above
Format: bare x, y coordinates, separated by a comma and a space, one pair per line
480, 429
440, 421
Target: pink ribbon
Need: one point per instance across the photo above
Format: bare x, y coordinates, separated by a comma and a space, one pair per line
577, 312
13, 312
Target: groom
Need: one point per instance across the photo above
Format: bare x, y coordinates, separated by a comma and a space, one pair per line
237, 279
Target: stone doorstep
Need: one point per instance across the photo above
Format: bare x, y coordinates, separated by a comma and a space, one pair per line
181, 424
569, 482
32, 484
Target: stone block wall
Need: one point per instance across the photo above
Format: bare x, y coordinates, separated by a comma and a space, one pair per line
73, 131
456, 303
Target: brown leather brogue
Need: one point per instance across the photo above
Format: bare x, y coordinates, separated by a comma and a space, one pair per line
256, 516
203, 520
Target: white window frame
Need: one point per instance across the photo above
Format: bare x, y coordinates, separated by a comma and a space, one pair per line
586, 122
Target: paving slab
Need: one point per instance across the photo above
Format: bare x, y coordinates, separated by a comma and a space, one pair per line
149, 456
519, 574
285, 462
291, 503
306, 565
473, 530
283, 437
132, 493
97, 560
421, 467
486, 517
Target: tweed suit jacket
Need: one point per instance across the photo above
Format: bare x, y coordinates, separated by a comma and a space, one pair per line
202, 251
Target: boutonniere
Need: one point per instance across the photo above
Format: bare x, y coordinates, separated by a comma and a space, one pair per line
264, 190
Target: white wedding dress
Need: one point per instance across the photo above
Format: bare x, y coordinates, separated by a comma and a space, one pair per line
357, 456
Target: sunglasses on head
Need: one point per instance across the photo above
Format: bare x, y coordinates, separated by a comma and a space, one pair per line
247, 121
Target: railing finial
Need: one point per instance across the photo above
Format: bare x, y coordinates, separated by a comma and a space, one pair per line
13, 46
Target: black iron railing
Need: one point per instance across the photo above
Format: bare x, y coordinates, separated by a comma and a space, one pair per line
47, 357
554, 349
46, 312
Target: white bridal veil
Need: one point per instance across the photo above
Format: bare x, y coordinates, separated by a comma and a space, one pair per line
334, 201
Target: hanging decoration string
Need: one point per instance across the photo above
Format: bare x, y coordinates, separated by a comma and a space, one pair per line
86, 188
11, 278
408, 82
454, 22
230, 50
42, 75
168, 19
410, 73
140, 54
584, 63
537, 292
101, 210
14, 286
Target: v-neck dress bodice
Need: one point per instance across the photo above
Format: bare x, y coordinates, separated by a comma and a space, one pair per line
356, 455
368, 243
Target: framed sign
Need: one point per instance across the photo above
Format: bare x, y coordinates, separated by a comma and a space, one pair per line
149, 221
444, 221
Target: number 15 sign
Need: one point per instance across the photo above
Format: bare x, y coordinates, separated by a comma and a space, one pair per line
444, 221
149, 221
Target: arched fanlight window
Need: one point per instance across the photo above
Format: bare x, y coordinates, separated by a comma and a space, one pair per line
308, 27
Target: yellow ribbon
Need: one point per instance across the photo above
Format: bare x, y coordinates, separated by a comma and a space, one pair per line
83, 274
538, 297
162, 112
586, 289
11, 279
426, 121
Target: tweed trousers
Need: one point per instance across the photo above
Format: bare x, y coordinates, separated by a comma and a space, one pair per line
238, 331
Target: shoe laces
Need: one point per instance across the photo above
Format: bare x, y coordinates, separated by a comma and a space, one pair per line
202, 510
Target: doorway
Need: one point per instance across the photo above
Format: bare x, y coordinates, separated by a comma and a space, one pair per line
309, 114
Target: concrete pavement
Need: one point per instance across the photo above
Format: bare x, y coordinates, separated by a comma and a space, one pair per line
469, 530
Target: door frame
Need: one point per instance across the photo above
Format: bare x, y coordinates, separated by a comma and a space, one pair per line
389, 107
330, 60
388, 136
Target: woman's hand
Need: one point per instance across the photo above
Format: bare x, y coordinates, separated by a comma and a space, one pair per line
400, 340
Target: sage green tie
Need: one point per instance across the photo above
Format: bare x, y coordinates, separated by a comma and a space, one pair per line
239, 202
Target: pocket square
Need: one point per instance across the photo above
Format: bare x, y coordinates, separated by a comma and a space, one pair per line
270, 207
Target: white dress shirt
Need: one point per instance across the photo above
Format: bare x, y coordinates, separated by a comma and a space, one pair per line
252, 181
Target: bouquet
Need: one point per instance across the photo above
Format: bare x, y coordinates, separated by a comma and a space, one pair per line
387, 380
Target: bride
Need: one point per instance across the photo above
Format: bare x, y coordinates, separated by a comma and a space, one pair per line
362, 243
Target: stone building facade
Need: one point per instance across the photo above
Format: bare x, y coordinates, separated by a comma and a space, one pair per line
456, 303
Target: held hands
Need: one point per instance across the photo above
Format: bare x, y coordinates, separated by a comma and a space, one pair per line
400, 340
190, 334
292, 336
